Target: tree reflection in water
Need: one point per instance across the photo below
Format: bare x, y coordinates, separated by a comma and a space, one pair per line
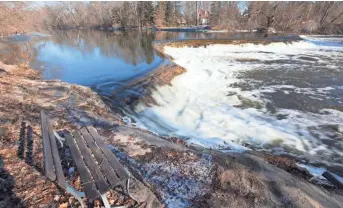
133, 47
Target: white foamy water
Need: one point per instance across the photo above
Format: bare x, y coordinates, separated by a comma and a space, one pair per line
209, 105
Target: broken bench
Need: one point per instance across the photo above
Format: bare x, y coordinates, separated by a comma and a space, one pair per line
98, 167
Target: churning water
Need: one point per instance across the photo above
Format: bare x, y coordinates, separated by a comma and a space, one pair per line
285, 98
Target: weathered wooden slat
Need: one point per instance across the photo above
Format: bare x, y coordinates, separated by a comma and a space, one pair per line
48, 161
101, 159
89, 185
55, 156
123, 175
100, 181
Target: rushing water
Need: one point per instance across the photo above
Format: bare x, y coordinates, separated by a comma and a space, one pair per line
281, 97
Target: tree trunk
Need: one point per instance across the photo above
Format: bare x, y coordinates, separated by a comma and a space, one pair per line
196, 13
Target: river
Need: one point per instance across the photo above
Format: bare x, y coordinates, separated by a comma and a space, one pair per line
285, 98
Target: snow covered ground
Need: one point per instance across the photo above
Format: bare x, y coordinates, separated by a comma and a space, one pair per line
222, 102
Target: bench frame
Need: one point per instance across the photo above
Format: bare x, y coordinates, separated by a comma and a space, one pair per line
98, 167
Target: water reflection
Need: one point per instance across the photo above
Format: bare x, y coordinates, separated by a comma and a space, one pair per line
17, 52
94, 58
132, 47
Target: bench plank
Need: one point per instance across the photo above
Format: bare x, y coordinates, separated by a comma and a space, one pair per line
89, 185
55, 156
101, 159
123, 175
92, 166
48, 162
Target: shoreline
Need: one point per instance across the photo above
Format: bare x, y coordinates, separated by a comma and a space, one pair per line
45, 32
202, 176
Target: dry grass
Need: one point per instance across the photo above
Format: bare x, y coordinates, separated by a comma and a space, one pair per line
24, 70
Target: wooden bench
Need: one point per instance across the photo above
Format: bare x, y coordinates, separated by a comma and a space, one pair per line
98, 167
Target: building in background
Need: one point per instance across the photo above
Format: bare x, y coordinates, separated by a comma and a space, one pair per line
203, 17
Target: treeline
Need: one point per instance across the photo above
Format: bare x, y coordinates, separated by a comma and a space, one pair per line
18, 17
322, 17
319, 17
106, 15
314, 16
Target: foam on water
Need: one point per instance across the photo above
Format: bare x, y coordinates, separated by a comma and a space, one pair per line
203, 105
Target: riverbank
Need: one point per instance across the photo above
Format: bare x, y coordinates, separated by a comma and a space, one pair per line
179, 174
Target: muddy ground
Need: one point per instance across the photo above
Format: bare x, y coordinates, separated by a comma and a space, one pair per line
177, 174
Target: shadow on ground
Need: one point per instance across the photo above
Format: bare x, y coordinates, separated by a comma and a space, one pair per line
7, 196
25, 146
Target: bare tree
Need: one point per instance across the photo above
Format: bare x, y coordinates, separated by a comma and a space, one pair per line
190, 12
160, 15
284, 16
16, 17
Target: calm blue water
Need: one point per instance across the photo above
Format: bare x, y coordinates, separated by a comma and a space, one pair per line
73, 65
101, 60
96, 59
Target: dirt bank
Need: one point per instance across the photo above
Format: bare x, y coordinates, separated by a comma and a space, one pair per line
179, 175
